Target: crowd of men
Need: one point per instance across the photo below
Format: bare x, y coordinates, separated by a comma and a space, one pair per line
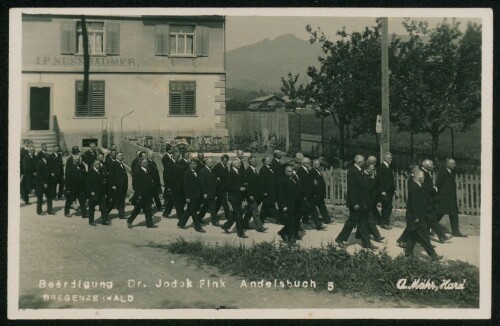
291, 194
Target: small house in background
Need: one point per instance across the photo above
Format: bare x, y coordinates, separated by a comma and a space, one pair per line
267, 103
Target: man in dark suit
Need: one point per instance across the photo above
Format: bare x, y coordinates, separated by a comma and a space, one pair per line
173, 183
28, 172
118, 182
446, 203
320, 191
222, 172
240, 155
184, 161
307, 183
42, 185
236, 192
356, 202
134, 167
153, 169
431, 190
90, 156
75, 184
97, 193
269, 185
167, 156
385, 176
208, 181
276, 165
57, 173
200, 161
192, 192
144, 188
417, 209
43, 152
253, 195
290, 197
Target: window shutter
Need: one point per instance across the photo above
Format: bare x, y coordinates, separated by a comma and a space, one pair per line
190, 98
97, 98
161, 39
68, 38
81, 110
112, 38
202, 33
175, 98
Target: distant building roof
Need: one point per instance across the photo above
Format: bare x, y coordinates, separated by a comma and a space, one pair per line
266, 98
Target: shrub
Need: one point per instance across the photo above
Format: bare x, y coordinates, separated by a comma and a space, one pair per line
364, 272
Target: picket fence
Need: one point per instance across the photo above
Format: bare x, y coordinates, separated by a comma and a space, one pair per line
468, 190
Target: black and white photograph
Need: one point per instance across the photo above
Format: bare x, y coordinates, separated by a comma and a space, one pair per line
216, 163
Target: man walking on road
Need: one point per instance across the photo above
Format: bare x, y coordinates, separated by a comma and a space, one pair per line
97, 193
385, 176
192, 192
144, 188
208, 181
42, 185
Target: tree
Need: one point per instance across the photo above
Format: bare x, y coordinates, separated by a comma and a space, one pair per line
436, 78
346, 85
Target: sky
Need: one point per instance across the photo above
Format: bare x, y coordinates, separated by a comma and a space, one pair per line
245, 30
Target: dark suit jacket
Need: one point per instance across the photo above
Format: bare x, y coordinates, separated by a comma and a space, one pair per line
155, 173
268, 184
134, 165
56, 165
39, 156
118, 177
223, 174
416, 205
184, 165
320, 186
356, 189
208, 181
191, 185
446, 201
307, 182
428, 184
373, 192
173, 177
385, 177
89, 157
24, 152
74, 176
29, 165
42, 175
166, 159
144, 185
234, 185
96, 183
277, 168
289, 194
252, 184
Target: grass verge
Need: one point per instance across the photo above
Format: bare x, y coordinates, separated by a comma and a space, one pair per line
364, 272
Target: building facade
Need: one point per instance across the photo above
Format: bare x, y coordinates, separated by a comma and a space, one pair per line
169, 70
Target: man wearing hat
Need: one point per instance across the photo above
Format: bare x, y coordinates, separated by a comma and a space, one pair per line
74, 184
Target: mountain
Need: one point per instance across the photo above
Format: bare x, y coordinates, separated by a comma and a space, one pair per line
261, 65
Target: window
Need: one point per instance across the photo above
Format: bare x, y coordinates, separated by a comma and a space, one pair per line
104, 38
95, 31
95, 99
181, 40
182, 98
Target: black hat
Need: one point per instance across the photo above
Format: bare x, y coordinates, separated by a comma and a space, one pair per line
75, 150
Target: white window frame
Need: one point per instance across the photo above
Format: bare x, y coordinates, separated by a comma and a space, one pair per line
176, 45
79, 50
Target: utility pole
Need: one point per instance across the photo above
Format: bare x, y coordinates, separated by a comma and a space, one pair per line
384, 143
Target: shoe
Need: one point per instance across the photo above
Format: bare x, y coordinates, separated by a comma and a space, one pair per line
226, 230
200, 230
106, 223
93, 224
460, 235
152, 226
386, 227
202, 223
262, 229
182, 227
370, 247
51, 213
67, 215
85, 216
327, 221
41, 214
60, 198
436, 257
402, 244
122, 217
165, 215
340, 243
298, 237
243, 236
321, 227
284, 237
129, 225
215, 223
247, 227
380, 239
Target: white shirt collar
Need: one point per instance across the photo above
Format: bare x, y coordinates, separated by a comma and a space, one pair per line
235, 169
386, 164
425, 169
358, 167
144, 169
449, 171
